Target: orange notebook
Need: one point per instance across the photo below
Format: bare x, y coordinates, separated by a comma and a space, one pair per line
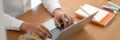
102, 17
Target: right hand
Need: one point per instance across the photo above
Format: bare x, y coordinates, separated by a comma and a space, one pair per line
36, 28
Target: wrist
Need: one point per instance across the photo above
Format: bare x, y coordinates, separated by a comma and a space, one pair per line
57, 11
24, 26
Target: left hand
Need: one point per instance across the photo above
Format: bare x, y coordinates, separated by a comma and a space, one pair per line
60, 16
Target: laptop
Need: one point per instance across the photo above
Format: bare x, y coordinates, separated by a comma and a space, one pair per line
58, 34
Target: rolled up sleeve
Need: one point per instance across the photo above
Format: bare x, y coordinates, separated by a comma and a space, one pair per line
51, 5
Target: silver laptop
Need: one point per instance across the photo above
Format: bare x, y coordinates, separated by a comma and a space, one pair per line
58, 34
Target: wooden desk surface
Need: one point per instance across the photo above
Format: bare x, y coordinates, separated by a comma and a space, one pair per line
90, 32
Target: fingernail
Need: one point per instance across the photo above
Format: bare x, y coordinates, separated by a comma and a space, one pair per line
59, 26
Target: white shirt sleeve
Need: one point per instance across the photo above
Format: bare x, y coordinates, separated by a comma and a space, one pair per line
51, 5
12, 23
9, 22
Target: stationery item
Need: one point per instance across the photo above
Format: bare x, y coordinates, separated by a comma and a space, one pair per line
114, 5
110, 8
102, 17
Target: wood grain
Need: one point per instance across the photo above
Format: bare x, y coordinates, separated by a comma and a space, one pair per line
90, 32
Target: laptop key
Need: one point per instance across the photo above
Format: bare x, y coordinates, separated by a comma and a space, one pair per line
55, 33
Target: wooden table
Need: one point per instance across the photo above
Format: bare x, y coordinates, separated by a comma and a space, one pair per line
90, 32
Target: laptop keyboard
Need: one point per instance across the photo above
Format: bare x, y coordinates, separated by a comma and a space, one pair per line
55, 33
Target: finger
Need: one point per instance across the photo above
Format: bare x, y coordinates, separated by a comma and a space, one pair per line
41, 35
69, 20
64, 21
46, 31
72, 19
43, 31
39, 38
57, 23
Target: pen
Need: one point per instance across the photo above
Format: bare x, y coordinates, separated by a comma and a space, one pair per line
109, 7
114, 5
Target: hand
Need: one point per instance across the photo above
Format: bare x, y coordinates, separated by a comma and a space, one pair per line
36, 28
59, 16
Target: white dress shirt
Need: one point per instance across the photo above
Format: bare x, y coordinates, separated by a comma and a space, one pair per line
14, 8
